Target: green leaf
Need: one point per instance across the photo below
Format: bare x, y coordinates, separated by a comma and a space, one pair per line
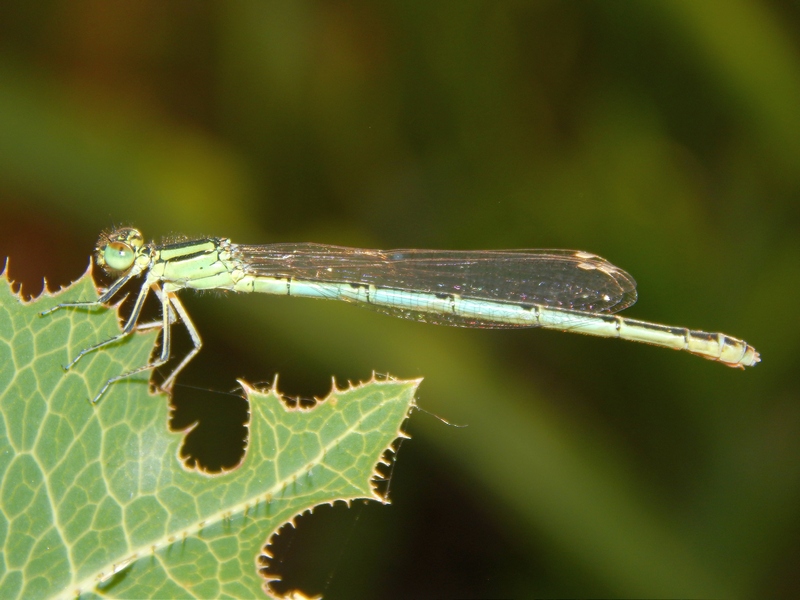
94, 499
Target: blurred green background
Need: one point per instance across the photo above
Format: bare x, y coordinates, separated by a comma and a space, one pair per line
662, 135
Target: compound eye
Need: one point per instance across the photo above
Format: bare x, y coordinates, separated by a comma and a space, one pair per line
118, 256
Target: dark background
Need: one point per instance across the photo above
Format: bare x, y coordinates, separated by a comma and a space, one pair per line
662, 135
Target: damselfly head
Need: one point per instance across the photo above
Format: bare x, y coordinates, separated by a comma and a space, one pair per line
116, 250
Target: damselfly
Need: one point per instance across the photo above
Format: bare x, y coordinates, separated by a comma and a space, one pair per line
555, 289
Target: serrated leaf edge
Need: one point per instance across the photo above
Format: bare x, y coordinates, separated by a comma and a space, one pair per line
46, 293
244, 508
383, 459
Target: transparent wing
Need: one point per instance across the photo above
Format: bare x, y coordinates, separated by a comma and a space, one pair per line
556, 278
